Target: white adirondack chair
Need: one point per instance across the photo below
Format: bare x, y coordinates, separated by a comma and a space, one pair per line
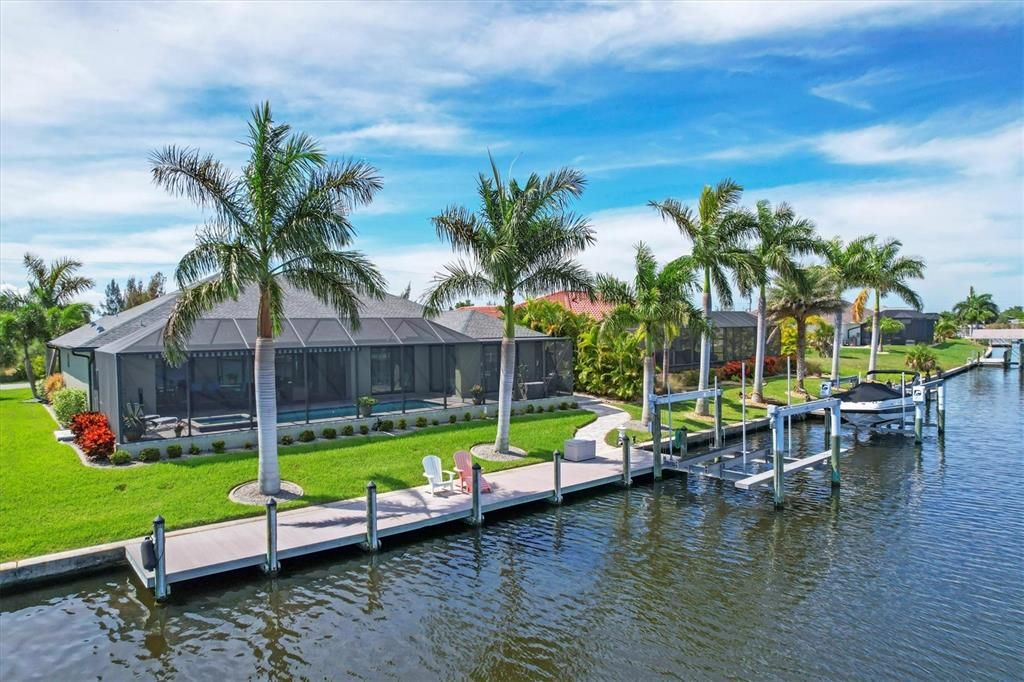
438, 478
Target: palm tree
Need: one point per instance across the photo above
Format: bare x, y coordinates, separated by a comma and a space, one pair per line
779, 238
54, 287
812, 292
976, 309
844, 263
656, 303
884, 271
23, 321
521, 241
717, 232
946, 327
284, 219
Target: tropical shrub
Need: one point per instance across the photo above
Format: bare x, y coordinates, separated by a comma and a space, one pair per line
307, 436
402, 424
364, 429
53, 383
530, 409
452, 419
149, 454
84, 420
95, 438
434, 422
285, 440
329, 433
120, 457
387, 425
608, 365
194, 449
575, 405
218, 446
551, 408
67, 402
347, 430
248, 445
921, 358
564, 405
173, 451
467, 417
421, 422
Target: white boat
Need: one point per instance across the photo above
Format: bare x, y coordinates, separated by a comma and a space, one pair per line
874, 403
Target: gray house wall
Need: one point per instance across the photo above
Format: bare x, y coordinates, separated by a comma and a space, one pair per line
75, 369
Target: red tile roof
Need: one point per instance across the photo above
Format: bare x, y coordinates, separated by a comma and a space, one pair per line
492, 310
580, 303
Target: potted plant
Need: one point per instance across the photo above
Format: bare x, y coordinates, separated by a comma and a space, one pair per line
366, 404
179, 427
134, 421
478, 394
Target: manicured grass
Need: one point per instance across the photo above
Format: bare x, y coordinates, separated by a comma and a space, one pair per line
852, 361
50, 502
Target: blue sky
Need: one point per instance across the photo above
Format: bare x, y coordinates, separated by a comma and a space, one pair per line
903, 119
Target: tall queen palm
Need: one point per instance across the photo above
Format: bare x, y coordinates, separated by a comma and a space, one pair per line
844, 265
718, 232
883, 272
521, 241
284, 219
656, 304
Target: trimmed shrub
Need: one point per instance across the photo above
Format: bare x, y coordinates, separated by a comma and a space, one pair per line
67, 402
84, 420
575, 405
402, 424
307, 436
421, 422
173, 451
364, 429
387, 425
551, 407
287, 440
329, 433
149, 454
53, 383
467, 417
347, 430
93, 434
529, 408
120, 457
194, 449
563, 405
452, 419
434, 422
248, 445
218, 446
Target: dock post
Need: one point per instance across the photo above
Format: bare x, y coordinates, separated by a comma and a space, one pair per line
271, 565
627, 476
372, 542
940, 406
684, 442
477, 517
656, 435
918, 397
160, 587
556, 498
778, 461
836, 426
718, 416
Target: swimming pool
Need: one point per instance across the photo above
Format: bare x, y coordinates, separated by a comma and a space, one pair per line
350, 410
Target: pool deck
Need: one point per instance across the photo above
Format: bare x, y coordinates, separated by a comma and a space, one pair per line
218, 548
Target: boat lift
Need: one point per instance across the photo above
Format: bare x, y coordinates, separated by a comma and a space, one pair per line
669, 399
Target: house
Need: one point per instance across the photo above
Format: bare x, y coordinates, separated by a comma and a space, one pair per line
734, 337
918, 327
323, 363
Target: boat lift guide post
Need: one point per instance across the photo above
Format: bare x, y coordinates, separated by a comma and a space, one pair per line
670, 399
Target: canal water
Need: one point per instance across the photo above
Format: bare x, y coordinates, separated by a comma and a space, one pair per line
914, 571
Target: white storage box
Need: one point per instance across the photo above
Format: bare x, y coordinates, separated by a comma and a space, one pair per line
577, 450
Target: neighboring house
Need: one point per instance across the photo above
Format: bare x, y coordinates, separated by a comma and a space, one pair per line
850, 331
575, 301
323, 364
918, 327
734, 337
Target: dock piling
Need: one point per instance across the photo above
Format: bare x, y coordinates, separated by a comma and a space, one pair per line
718, 417
556, 458
940, 407
627, 477
372, 542
778, 460
919, 406
161, 588
271, 566
477, 517
835, 430
656, 435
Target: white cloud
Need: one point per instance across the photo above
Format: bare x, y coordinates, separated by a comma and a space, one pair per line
855, 92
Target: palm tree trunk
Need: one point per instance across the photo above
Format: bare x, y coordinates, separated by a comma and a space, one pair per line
759, 352
837, 340
665, 348
28, 370
648, 389
705, 346
266, 416
876, 333
801, 352
508, 368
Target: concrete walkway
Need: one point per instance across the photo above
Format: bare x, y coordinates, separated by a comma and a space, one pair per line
14, 385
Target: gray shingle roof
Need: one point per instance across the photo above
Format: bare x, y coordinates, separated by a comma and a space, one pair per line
732, 318
480, 326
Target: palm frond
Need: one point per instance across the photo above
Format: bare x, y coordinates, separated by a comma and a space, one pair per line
457, 281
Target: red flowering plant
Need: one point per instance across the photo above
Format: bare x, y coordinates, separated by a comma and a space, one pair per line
93, 435
83, 420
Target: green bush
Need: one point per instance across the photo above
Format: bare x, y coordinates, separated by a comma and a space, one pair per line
551, 407
529, 409
307, 436
421, 422
150, 454
575, 405
434, 422
563, 405
194, 449
402, 424
329, 433
285, 440
120, 457
467, 417
364, 429
173, 451
67, 402
248, 445
452, 419
218, 446
347, 430
387, 425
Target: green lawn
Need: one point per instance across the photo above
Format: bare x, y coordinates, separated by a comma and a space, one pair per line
50, 502
852, 361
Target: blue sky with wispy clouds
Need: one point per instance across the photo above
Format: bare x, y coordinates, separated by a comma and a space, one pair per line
904, 119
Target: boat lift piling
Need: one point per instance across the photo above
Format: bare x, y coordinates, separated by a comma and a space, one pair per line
670, 399
271, 566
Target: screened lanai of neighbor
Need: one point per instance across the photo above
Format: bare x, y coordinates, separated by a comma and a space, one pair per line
733, 337
324, 364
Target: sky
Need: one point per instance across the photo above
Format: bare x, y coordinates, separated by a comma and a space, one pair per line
901, 119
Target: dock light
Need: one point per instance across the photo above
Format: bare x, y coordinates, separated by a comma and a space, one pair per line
148, 553
825, 390
622, 435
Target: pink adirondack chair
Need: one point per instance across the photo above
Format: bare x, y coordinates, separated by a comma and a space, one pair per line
464, 467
